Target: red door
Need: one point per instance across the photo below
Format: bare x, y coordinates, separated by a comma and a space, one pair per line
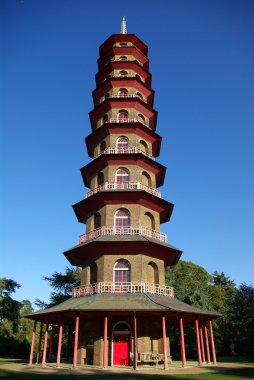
121, 349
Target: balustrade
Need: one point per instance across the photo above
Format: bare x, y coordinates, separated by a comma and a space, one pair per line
131, 149
122, 287
114, 231
108, 186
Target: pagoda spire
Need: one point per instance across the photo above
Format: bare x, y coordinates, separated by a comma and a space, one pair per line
123, 26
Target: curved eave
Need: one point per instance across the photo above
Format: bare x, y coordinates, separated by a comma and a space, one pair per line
141, 130
123, 197
133, 103
114, 38
113, 245
119, 65
138, 159
124, 50
110, 83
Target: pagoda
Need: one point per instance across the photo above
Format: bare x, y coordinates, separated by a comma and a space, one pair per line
122, 310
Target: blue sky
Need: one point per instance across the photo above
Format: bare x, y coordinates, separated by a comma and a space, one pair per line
201, 58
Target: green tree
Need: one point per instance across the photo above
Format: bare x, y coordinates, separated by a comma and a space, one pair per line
9, 308
221, 294
242, 317
190, 282
62, 285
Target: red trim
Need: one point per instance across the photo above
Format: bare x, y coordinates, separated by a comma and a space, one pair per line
123, 38
121, 65
85, 252
109, 129
119, 197
88, 171
32, 344
125, 50
134, 103
125, 82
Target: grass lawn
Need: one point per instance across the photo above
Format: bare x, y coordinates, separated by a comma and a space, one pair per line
216, 373
232, 374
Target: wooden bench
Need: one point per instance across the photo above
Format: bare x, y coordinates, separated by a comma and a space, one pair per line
148, 358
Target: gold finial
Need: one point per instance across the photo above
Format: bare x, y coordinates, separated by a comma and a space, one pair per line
123, 26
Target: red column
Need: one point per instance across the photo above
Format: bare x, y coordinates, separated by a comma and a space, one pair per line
202, 343
32, 344
45, 345
135, 365
198, 343
164, 336
76, 342
51, 342
212, 343
105, 343
39, 345
59, 347
207, 346
183, 356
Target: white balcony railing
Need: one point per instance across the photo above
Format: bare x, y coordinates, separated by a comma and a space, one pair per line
122, 288
130, 149
127, 120
108, 186
118, 231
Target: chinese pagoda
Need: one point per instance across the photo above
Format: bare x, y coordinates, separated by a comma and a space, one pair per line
121, 313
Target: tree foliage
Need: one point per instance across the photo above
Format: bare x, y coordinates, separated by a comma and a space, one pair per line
62, 285
242, 320
15, 330
234, 330
9, 308
190, 282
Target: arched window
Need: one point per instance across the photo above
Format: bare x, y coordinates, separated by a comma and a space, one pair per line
141, 118
149, 221
123, 92
100, 179
122, 221
122, 271
123, 58
122, 116
146, 179
138, 77
97, 220
123, 73
139, 95
93, 273
143, 146
122, 176
102, 146
121, 326
105, 118
122, 144
153, 273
